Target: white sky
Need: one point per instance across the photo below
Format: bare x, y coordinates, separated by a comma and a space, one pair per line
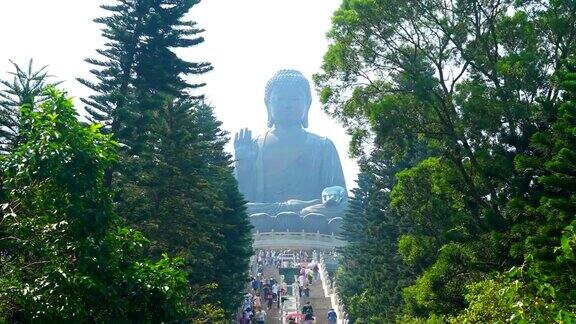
246, 41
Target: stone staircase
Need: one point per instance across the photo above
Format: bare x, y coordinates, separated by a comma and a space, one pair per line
320, 303
321, 298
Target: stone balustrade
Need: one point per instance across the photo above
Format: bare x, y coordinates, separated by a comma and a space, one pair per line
295, 240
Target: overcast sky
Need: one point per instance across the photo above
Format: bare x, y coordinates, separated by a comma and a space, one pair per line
246, 41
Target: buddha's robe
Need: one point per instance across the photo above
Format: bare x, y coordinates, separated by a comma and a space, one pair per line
311, 165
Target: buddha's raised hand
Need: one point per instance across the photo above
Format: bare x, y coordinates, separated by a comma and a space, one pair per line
245, 147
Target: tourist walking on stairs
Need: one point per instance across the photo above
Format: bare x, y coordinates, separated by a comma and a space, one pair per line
275, 290
257, 302
245, 319
270, 299
308, 312
331, 316
260, 316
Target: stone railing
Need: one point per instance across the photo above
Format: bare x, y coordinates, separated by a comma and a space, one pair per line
330, 291
295, 240
292, 302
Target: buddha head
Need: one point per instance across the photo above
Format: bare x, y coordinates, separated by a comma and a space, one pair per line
332, 196
288, 99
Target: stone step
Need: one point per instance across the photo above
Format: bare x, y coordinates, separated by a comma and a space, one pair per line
319, 302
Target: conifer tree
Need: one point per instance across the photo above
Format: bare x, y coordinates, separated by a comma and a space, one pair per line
25, 88
138, 56
174, 181
138, 66
185, 198
233, 233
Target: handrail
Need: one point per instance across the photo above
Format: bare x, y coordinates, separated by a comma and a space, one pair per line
296, 293
295, 297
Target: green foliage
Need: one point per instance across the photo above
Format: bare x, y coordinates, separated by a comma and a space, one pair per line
513, 297
64, 258
440, 288
464, 121
65, 255
173, 180
26, 88
186, 200
414, 249
138, 64
490, 302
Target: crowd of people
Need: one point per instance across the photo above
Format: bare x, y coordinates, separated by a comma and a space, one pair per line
309, 274
283, 258
263, 294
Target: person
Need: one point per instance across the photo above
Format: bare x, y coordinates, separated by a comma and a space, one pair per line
275, 290
286, 162
316, 271
260, 316
281, 298
245, 319
331, 316
270, 299
257, 301
301, 280
306, 291
265, 290
247, 302
249, 313
308, 312
254, 285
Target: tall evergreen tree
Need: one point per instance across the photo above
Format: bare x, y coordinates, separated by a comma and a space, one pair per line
25, 88
373, 270
138, 62
233, 235
174, 181
185, 198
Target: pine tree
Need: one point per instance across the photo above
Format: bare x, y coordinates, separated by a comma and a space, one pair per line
373, 273
139, 66
26, 88
231, 264
186, 199
173, 181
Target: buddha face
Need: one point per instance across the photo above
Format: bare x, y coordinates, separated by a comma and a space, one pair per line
288, 106
333, 196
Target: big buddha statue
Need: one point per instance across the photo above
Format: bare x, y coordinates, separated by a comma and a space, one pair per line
286, 162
